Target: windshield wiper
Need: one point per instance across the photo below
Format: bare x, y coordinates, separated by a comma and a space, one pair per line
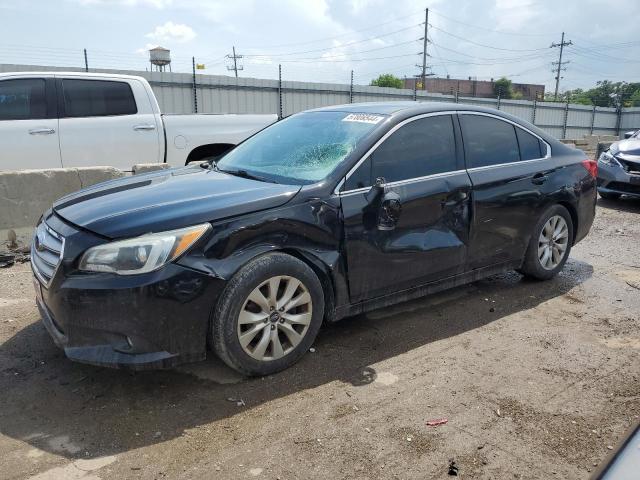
245, 174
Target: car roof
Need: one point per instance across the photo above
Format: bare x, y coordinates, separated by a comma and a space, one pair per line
53, 73
406, 107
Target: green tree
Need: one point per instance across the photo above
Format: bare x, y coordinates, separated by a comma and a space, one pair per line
503, 87
387, 80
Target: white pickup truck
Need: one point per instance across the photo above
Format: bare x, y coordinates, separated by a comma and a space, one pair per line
58, 119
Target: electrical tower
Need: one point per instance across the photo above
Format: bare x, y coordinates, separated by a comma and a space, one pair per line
235, 67
559, 65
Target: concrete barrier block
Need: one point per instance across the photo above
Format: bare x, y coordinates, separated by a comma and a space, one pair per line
92, 175
26, 194
149, 167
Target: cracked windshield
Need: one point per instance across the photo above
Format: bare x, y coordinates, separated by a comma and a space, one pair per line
301, 149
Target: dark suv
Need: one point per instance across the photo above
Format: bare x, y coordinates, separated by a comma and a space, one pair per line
325, 214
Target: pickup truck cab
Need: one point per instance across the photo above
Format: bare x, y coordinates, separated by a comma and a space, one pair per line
57, 119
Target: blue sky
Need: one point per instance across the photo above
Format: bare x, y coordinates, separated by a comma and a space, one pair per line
323, 40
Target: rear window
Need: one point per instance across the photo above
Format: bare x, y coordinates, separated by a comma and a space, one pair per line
529, 145
488, 141
97, 98
22, 99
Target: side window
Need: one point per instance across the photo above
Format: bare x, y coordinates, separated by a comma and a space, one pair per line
543, 148
529, 145
423, 147
360, 178
97, 98
22, 99
488, 141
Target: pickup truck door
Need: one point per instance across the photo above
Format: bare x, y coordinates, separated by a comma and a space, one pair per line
107, 122
28, 124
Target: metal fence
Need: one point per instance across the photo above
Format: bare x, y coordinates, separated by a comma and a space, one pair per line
186, 93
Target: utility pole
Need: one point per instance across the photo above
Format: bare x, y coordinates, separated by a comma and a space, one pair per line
559, 64
424, 73
424, 48
194, 86
86, 62
235, 59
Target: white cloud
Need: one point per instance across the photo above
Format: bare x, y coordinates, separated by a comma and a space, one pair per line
145, 50
515, 15
172, 32
160, 4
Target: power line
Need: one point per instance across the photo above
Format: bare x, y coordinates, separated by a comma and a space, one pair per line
484, 45
342, 35
335, 46
501, 32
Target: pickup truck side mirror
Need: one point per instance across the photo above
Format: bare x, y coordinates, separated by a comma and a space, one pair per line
628, 134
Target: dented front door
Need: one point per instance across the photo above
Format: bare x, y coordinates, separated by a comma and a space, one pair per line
411, 226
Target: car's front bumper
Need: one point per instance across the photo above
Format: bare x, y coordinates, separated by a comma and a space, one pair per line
153, 320
615, 179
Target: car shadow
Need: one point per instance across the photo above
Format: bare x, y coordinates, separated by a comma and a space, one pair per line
623, 204
79, 411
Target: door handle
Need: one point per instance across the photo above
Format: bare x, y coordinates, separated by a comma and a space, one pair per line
41, 131
144, 127
539, 178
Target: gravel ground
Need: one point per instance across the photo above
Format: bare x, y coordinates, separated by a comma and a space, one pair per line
537, 380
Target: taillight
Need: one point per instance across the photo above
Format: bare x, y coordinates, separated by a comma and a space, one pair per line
591, 166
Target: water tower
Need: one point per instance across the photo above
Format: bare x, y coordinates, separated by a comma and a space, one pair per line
161, 58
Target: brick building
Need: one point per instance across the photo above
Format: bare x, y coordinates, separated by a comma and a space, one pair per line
474, 88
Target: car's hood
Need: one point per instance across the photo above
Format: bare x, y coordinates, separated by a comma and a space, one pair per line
630, 146
167, 200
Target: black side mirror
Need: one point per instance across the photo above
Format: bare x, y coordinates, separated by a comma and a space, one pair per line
628, 134
377, 190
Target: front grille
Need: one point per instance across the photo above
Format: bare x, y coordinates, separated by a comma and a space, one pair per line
624, 187
46, 252
630, 167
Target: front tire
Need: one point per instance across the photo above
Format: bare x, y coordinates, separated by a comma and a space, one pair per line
268, 315
550, 244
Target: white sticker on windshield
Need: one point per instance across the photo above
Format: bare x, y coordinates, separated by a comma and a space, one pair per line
362, 118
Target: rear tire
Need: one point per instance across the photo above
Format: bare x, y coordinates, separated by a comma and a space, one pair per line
268, 315
610, 196
550, 244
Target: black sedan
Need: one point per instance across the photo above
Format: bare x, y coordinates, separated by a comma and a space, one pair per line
325, 214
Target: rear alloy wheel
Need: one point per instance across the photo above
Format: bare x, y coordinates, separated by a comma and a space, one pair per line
549, 245
553, 242
268, 315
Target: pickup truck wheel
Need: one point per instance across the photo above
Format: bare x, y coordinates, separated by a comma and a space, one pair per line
268, 315
550, 244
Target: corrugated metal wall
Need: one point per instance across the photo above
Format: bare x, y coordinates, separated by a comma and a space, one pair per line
223, 94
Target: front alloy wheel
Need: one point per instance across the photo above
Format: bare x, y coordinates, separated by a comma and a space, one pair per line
275, 318
268, 315
553, 242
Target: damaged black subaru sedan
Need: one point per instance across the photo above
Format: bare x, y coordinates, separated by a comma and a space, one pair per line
325, 214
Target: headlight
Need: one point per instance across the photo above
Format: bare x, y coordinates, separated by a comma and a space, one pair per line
141, 254
608, 159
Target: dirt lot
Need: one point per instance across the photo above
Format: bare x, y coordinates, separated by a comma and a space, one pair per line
537, 380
